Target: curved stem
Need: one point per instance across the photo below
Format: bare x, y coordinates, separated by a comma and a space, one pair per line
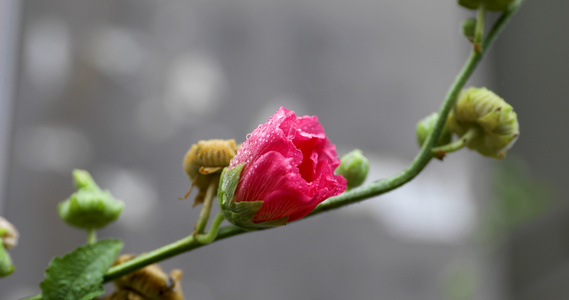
424, 156
355, 195
441, 151
212, 233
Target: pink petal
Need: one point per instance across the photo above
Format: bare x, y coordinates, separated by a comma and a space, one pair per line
290, 166
275, 135
275, 180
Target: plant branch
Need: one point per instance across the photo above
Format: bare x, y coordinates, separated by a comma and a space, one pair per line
425, 155
357, 194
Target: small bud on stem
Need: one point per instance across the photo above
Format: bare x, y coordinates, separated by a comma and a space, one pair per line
90, 207
354, 167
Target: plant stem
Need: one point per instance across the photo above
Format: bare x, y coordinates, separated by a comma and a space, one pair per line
91, 236
422, 159
479, 31
212, 233
373, 189
204, 213
441, 151
186, 244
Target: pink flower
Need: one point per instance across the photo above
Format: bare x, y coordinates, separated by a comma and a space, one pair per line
280, 173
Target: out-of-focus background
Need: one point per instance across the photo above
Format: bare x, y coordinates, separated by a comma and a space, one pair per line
123, 88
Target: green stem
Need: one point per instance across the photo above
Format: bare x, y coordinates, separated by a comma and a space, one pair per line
186, 244
479, 31
422, 159
441, 151
212, 233
357, 194
91, 236
204, 213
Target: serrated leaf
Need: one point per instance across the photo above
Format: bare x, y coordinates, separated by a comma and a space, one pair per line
79, 274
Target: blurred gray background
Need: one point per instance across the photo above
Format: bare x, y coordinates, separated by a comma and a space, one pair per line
123, 88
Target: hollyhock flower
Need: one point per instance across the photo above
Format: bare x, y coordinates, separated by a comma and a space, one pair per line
280, 173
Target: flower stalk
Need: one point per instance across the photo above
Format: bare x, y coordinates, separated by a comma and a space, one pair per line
479, 31
204, 213
91, 236
440, 152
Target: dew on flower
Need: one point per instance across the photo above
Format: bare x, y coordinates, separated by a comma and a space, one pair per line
279, 172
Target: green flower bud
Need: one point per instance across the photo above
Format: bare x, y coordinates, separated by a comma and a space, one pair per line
469, 28
426, 125
493, 121
491, 5
8, 239
8, 234
354, 168
89, 207
6, 266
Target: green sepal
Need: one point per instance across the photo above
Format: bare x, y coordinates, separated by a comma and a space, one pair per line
491, 5
240, 213
228, 184
79, 275
89, 207
354, 168
6, 266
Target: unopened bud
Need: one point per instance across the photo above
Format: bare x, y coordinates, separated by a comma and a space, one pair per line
495, 121
8, 234
469, 28
204, 162
354, 168
6, 266
426, 125
89, 207
8, 239
491, 5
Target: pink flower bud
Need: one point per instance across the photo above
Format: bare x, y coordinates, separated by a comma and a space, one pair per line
279, 175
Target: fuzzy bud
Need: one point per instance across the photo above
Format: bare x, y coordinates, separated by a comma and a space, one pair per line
354, 167
89, 207
479, 109
204, 162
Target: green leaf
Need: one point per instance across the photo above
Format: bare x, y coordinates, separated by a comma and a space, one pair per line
79, 275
